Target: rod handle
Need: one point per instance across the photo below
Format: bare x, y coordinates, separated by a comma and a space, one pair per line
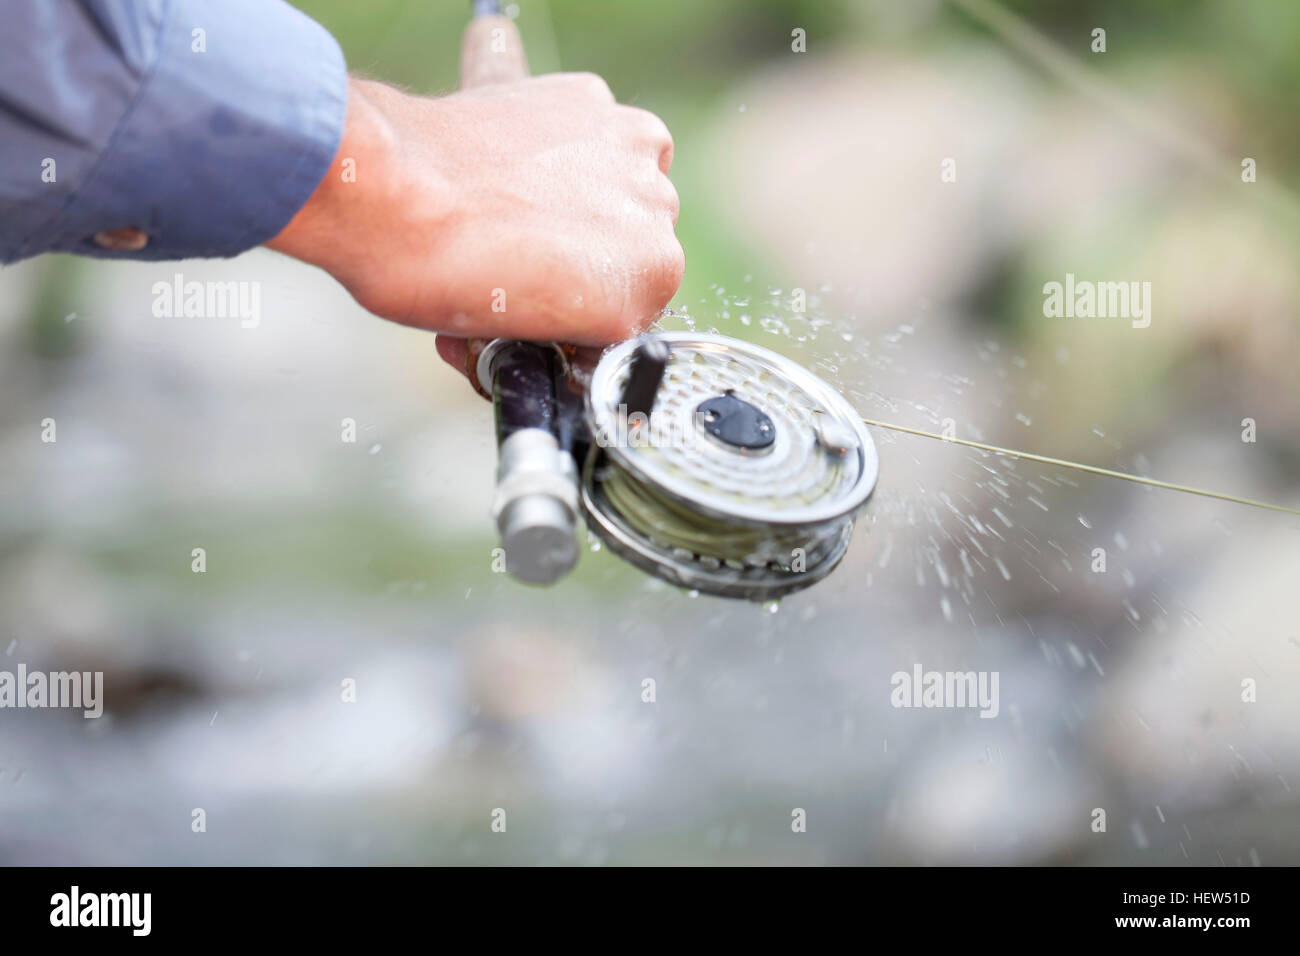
491, 51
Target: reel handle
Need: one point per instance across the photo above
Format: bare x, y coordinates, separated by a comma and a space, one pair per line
536, 501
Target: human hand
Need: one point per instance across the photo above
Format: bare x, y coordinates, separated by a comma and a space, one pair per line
538, 209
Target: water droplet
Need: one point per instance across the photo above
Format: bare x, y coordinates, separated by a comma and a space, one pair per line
374, 449
1139, 835
771, 607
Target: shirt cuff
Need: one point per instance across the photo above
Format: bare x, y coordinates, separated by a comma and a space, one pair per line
230, 134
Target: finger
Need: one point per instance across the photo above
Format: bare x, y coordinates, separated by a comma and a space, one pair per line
672, 200
674, 269
588, 85
658, 194
651, 130
662, 276
453, 351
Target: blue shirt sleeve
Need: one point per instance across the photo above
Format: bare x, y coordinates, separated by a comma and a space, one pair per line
204, 123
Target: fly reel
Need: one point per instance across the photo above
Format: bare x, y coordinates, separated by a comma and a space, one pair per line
712, 463
742, 480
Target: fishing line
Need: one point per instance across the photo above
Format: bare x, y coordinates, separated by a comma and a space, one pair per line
1079, 466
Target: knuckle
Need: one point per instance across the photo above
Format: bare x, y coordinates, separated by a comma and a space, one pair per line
667, 273
676, 266
666, 157
651, 127
593, 85
674, 203
661, 196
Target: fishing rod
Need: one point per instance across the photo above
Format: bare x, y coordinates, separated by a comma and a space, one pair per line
712, 463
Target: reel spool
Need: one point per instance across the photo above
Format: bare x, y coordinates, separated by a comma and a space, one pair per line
741, 479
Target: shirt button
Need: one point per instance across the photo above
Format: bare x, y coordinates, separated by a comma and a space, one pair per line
122, 240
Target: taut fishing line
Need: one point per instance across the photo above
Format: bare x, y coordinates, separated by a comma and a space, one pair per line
1091, 469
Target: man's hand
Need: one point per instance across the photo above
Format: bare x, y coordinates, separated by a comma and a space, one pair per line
534, 210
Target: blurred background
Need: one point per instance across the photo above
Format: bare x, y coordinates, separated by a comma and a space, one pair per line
818, 171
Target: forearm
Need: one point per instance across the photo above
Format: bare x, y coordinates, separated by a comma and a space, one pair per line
346, 226
205, 126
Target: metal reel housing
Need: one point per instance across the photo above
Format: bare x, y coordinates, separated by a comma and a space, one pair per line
743, 482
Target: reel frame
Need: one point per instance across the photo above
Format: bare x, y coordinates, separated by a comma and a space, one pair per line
821, 530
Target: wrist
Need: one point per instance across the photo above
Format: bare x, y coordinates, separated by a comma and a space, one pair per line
323, 230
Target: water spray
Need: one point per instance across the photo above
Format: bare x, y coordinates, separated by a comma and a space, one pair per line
712, 463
